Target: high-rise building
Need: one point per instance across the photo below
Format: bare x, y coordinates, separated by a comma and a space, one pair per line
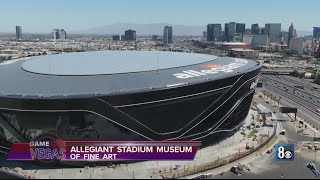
247, 31
231, 31
291, 33
273, 29
238, 37
167, 35
284, 37
204, 35
63, 34
260, 40
130, 35
255, 29
122, 37
240, 28
116, 37
155, 37
213, 32
296, 45
316, 32
18, 32
226, 31
56, 34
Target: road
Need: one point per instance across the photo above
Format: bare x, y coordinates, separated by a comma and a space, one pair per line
291, 133
305, 113
296, 169
289, 169
304, 99
307, 97
304, 82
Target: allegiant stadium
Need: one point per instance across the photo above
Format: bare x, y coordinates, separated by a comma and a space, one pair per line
125, 96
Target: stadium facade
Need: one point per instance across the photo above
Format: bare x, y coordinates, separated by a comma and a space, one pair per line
125, 95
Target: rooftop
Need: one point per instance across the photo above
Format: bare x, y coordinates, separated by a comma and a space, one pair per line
241, 50
111, 62
109, 73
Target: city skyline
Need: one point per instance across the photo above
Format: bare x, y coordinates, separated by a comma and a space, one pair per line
41, 16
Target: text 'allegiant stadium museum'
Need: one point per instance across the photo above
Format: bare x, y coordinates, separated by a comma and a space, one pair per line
125, 95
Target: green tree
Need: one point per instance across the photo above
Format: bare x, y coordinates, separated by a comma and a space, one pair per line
296, 73
317, 80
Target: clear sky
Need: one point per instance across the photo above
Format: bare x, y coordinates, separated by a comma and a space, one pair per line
76, 15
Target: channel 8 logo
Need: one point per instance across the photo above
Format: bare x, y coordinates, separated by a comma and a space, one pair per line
284, 152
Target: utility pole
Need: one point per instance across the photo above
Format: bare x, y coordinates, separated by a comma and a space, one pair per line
315, 149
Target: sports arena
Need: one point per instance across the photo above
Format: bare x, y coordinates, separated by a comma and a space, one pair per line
125, 95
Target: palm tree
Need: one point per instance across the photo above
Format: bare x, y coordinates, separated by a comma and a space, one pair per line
267, 94
271, 97
279, 101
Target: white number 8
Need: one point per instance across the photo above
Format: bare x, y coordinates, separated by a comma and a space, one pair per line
281, 152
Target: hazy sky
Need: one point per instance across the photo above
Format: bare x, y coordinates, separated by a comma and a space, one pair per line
77, 15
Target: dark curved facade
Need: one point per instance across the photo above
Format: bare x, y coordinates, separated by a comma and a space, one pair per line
205, 108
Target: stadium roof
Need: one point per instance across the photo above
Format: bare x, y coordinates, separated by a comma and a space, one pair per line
111, 62
125, 72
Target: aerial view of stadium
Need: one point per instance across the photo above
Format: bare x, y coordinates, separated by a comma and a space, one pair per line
159, 89
125, 95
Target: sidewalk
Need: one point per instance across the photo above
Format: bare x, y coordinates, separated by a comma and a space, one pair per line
246, 160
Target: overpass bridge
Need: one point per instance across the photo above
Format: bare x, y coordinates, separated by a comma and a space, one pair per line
276, 71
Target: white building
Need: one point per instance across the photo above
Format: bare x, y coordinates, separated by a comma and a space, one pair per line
63, 34
296, 45
244, 53
307, 75
248, 38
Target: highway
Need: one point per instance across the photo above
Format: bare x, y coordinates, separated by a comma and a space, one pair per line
309, 87
303, 82
284, 86
284, 82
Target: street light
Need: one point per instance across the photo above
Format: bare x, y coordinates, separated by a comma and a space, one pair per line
315, 148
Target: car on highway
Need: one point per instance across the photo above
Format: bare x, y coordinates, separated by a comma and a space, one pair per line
318, 110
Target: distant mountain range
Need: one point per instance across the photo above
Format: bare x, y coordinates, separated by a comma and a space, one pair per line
146, 29
155, 29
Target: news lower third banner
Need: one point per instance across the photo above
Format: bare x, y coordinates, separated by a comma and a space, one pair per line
58, 150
